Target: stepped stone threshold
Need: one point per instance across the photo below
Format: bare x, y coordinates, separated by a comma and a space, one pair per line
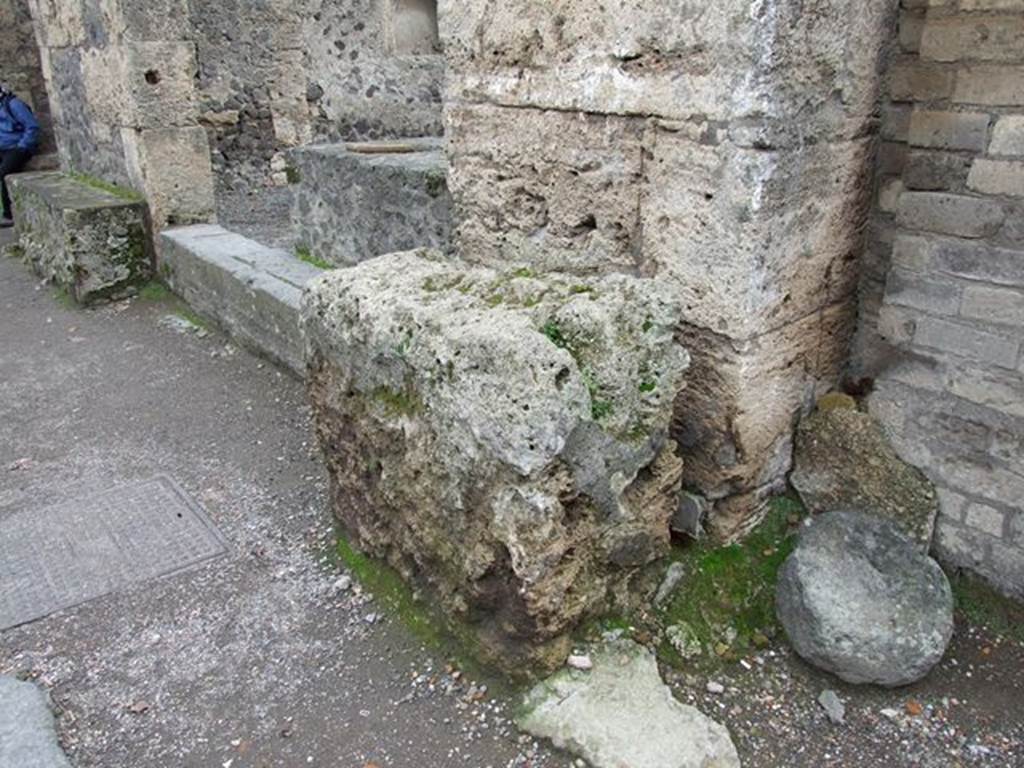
92, 241
354, 201
251, 291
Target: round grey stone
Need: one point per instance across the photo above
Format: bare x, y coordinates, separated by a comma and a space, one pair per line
857, 598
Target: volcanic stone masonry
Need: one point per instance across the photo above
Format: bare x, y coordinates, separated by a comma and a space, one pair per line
721, 148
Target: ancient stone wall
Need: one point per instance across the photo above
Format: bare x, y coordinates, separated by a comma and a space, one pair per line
723, 146
256, 77
375, 68
19, 64
121, 78
943, 298
275, 74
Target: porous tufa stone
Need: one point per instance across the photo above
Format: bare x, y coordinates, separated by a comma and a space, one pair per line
500, 435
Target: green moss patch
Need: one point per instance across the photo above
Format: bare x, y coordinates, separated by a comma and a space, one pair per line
63, 297
189, 316
457, 643
303, 253
154, 291
977, 603
123, 193
397, 403
725, 605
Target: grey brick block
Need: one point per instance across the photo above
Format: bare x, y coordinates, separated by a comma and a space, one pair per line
947, 214
936, 171
997, 177
949, 130
967, 341
986, 481
1000, 391
1002, 306
1002, 266
911, 289
986, 519
1008, 136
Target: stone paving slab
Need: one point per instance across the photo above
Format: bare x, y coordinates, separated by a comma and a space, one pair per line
27, 735
85, 548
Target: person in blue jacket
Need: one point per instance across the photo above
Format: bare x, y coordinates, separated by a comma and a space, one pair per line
19, 138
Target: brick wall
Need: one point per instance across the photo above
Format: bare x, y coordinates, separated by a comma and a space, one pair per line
943, 289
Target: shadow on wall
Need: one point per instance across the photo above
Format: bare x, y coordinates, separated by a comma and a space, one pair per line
413, 29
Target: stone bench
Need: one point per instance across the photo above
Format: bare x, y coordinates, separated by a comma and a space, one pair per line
251, 291
353, 202
86, 237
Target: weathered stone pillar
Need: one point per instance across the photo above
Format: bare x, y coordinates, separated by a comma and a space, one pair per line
121, 77
723, 146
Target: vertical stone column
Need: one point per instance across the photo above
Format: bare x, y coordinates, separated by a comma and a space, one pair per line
943, 322
121, 77
724, 147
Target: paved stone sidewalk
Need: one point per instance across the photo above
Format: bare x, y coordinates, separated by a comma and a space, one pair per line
260, 659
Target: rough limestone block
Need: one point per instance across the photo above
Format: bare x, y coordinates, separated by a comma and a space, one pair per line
774, 64
743, 399
754, 239
173, 166
500, 435
844, 461
353, 202
82, 237
559, 191
619, 713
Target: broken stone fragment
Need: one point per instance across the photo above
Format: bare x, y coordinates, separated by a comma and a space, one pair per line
499, 435
834, 708
621, 713
845, 461
858, 599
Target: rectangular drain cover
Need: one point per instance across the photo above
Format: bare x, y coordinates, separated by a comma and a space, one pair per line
80, 550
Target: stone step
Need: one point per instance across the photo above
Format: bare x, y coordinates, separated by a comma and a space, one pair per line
81, 234
249, 290
355, 201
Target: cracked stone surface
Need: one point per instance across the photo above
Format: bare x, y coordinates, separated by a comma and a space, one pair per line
620, 713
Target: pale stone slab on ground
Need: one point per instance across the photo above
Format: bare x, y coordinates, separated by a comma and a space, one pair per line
86, 548
620, 713
250, 290
28, 738
86, 239
859, 599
